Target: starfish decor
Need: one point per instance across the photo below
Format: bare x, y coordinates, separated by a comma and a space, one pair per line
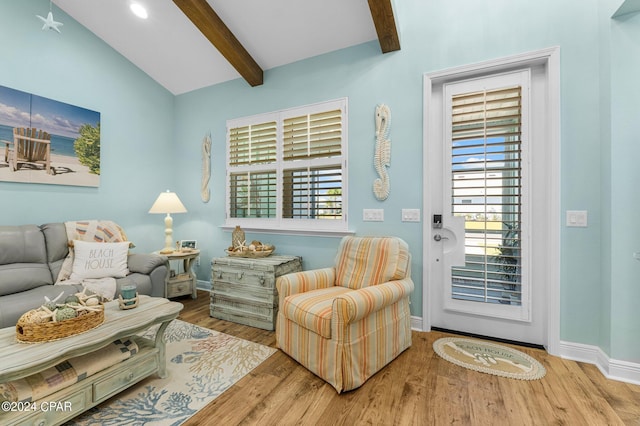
49, 23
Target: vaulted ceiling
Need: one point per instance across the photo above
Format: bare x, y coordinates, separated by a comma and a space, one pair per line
188, 44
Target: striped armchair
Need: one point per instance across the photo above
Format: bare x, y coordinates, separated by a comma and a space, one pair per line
344, 323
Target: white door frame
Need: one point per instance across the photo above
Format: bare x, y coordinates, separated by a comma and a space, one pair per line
550, 58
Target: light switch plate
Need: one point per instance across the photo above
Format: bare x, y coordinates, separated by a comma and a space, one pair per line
373, 215
577, 218
411, 215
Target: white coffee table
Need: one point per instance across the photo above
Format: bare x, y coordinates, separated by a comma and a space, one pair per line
24, 359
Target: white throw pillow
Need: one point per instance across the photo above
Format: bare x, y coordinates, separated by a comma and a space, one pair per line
99, 260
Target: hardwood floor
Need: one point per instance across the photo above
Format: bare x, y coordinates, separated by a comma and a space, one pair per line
418, 388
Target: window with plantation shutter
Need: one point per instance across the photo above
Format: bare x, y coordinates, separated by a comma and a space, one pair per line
287, 169
486, 167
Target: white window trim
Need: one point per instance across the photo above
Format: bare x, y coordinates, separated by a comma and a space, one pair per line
279, 224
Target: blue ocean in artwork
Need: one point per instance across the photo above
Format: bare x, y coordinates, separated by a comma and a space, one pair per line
60, 145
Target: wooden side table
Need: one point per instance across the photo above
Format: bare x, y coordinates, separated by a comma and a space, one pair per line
185, 282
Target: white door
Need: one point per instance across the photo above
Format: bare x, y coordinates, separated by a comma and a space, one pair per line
484, 199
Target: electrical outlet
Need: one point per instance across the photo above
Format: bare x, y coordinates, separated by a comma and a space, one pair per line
577, 218
198, 261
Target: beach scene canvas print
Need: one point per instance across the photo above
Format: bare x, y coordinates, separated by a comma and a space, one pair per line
46, 141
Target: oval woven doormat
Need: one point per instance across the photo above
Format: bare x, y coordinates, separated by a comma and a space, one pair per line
489, 358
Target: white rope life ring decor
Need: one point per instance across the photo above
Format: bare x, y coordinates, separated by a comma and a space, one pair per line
382, 155
205, 193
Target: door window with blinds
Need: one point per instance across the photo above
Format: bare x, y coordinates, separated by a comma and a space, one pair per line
287, 169
487, 139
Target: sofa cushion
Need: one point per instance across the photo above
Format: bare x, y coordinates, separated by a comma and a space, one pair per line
55, 238
19, 277
23, 259
22, 244
12, 306
312, 309
365, 261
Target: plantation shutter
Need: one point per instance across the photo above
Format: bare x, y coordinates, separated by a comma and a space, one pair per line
313, 136
252, 192
252, 144
487, 191
313, 191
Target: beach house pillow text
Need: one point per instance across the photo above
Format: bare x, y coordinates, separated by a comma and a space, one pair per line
99, 260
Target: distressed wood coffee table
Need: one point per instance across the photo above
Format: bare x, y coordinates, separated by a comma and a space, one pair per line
24, 359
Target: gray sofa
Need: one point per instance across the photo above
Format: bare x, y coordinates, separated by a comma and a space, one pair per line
31, 257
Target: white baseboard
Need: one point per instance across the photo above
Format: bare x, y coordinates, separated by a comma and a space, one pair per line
623, 371
416, 323
203, 285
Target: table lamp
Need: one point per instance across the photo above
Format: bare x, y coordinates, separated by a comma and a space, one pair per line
168, 202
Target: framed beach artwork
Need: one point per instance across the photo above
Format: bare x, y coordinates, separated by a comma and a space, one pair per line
46, 141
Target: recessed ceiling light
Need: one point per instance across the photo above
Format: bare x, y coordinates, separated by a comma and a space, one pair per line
139, 10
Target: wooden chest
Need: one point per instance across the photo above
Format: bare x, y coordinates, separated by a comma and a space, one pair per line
244, 290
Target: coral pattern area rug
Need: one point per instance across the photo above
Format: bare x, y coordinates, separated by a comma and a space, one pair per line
491, 358
202, 364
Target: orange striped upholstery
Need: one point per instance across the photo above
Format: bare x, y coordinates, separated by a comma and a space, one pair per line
312, 309
299, 282
365, 261
344, 333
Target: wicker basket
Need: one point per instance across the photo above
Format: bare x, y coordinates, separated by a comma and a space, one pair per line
45, 332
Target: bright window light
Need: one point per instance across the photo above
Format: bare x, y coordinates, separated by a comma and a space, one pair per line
139, 10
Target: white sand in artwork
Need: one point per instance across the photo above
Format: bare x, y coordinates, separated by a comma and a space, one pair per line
68, 171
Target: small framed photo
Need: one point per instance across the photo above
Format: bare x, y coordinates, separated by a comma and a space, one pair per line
188, 244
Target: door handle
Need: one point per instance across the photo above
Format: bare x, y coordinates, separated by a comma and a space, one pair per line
438, 237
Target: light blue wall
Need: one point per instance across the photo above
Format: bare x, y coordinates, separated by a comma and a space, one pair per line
434, 36
364, 76
151, 140
76, 67
607, 8
625, 175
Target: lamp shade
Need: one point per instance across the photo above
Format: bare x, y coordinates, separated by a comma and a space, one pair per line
168, 202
